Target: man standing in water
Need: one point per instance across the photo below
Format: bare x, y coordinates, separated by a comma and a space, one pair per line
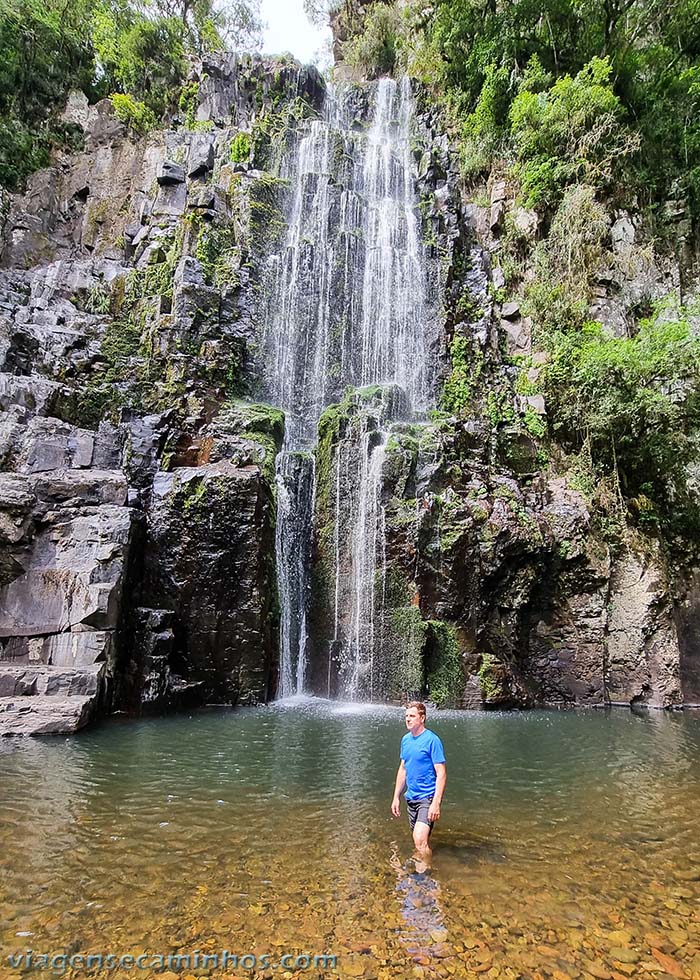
423, 772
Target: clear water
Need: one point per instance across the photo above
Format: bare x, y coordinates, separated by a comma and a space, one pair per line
569, 843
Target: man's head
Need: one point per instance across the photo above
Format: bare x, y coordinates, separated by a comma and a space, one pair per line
415, 715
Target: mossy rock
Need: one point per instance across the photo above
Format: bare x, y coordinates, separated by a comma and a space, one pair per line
495, 682
257, 418
444, 665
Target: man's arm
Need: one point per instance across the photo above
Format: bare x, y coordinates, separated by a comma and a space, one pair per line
440, 781
398, 789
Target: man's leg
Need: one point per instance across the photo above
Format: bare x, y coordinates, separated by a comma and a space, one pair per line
422, 828
421, 838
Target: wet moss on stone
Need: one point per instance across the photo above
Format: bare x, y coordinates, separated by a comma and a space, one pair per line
492, 679
407, 634
263, 425
445, 674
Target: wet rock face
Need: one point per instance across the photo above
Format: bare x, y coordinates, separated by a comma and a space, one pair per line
210, 537
487, 591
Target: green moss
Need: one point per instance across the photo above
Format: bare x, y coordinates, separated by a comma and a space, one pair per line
328, 436
273, 128
96, 216
194, 492
491, 678
467, 308
267, 220
132, 371
467, 368
445, 674
499, 408
217, 252
408, 631
264, 426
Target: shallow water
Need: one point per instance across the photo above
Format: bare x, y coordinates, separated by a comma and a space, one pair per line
569, 844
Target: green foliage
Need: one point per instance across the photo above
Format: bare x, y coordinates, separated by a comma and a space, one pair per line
124, 47
121, 343
570, 133
569, 89
194, 495
499, 408
140, 56
188, 102
408, 630
636, 403
136, 115
374, 50
240, 148
131, 371
458, 390
558, 296
534, 423
485, 126
274, 126
44, 52
217, 253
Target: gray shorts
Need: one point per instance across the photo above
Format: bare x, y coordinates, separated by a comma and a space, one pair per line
418, 811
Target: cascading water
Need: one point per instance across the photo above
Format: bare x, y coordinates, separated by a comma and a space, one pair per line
346, 306
392, 328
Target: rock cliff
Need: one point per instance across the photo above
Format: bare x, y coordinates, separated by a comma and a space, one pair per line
138, 497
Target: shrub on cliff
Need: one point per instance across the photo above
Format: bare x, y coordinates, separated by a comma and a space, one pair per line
572, 132
48, 47
44, 52
583, 83
139, 56
635, 401
374, 50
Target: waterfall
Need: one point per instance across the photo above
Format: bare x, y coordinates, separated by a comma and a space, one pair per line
295, 493
345, 306
393, 329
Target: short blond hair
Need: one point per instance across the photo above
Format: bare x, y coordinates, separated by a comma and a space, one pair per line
419, 706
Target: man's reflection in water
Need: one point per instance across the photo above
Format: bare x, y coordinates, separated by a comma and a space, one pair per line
419, 894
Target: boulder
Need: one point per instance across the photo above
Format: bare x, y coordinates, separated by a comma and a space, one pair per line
171, 200
170, 172
526, 222
216, 576
498, 191
643, 664
73, 574
497, 217
48, 444
45, 715
201, 156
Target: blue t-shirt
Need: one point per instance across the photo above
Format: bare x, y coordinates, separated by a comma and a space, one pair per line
420, 753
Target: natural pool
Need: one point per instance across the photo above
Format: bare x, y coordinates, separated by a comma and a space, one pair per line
569, 844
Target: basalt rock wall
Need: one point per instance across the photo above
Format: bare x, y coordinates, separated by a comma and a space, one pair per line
138, 497
137, 501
